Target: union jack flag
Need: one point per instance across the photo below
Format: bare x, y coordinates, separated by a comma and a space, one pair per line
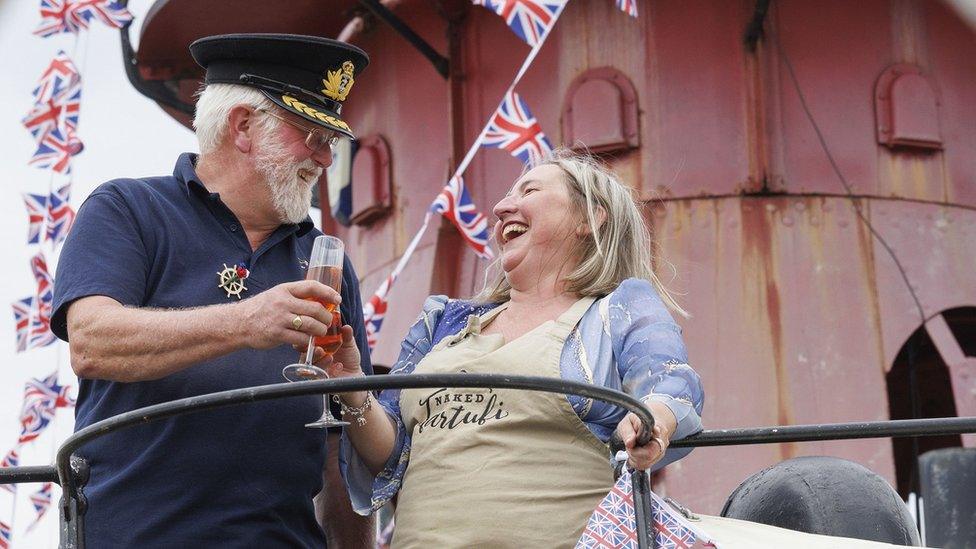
55, 150
60, 216
6, 535
12, 459
454, 203
108, 12
59, 16
60, 112
36, 210
60, 75
628, 6
613, 524
41, 500
22, 318
53, 120
72, 16
531, 20
42, 398
374, 311
514, 129
40, 334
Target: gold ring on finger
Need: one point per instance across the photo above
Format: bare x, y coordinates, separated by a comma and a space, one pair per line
297, 322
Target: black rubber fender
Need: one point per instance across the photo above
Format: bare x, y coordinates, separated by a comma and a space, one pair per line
824, 495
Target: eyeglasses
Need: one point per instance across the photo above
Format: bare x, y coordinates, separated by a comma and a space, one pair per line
316, 138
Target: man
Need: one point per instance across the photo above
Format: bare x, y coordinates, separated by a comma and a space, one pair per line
194, 283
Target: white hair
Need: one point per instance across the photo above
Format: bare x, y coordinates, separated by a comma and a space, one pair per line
214, 104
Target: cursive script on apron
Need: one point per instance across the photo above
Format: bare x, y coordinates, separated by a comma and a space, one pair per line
447, 410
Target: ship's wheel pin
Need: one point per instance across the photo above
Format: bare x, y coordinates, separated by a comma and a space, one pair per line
231, 280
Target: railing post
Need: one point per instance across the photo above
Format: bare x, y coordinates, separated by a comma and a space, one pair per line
73, 506
643, 516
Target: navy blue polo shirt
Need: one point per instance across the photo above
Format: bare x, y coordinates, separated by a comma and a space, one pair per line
242, 476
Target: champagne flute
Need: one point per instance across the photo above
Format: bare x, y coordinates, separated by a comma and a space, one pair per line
324, 265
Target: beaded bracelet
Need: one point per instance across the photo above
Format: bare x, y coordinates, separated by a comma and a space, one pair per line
359, 412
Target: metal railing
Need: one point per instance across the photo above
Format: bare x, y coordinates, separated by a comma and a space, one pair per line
71, 472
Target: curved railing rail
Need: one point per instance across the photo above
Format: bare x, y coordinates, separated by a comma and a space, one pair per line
282, 390
69, 476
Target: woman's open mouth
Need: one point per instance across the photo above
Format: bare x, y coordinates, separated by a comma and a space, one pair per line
513, 230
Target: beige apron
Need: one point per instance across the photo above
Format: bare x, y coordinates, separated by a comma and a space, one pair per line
498, 467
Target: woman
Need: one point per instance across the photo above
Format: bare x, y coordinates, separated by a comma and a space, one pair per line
576, 299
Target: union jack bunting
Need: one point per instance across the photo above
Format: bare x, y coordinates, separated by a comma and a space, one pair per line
514, 129
40, 334
12, 459
628, 6
6, 535
53, 120
613, 524
45, 282
55, 150
60, 75
41, 500
36, 211
71, 16
112, 14
374, 311
60, 112
59, 16
454, 202
531, 20
60, 216
42, 398
22, 319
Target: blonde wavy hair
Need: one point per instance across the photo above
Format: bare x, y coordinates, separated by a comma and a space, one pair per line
613, 251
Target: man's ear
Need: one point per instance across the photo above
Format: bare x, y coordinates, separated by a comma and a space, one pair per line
241, 127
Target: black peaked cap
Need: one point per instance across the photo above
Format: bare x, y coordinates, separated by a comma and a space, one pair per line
306, 75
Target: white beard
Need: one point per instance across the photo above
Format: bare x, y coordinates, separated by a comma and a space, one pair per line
290, 195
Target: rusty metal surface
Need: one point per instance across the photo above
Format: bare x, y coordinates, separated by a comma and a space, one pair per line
837, 77
948, 44
773, 285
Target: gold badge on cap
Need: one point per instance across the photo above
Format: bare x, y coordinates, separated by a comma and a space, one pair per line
338, 82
